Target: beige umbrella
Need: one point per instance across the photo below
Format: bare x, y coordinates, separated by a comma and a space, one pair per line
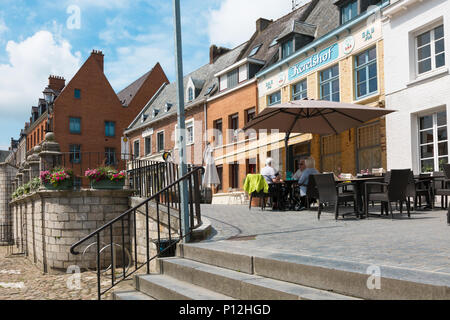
314, 116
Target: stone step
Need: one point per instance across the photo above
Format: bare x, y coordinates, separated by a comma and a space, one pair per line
130, 295
240, 285
163, 287
343, 277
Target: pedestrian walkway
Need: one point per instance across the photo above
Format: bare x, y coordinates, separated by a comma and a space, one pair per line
417, 244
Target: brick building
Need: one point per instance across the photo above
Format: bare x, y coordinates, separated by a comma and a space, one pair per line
351, 69
88, 117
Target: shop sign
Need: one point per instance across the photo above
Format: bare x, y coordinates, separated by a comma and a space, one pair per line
348, 45
325, 56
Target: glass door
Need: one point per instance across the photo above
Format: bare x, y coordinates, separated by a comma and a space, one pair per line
433, 139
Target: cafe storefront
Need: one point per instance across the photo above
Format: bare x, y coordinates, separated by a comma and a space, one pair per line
346, 65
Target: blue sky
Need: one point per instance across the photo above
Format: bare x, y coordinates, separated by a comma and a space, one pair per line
38, 38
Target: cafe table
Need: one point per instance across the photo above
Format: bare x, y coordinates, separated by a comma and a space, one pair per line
359, 183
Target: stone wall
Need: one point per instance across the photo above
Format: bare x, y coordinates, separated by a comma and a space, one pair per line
153, 230
7, 173
48, 223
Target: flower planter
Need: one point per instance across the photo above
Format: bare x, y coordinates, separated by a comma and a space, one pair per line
108, 184
65, 185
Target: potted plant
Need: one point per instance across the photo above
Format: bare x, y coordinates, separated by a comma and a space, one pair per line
106, 178
57, 179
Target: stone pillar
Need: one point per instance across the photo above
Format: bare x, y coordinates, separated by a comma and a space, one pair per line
50, 153
34, 162
26, 173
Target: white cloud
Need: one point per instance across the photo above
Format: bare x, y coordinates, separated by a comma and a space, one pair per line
3, 27
106, 4
25, 76
234, 22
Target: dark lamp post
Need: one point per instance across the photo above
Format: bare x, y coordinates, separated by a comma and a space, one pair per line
49, 96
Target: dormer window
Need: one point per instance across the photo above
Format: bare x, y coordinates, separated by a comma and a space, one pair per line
233, 78
155, 112
254, 50
274, 42
349, 11
287, 48
144, 117
168, 107
190, 94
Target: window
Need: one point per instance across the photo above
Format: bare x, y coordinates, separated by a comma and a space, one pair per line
274, 42
75, 125
300, 91
250, 114
75, 153
110, 156
274, 98
110, 129
220, 174
218, 135
234, 126
148, 146
190, 94
160, 137
287, 49
190, 132
369, 147
433, 140
430, 50
234, 176
366, 73
349, 11
251, 166
254, 50
232, 79
329, 84
77, 94
136, 149
331, 153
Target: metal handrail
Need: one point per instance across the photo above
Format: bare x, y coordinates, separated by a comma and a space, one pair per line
193, 190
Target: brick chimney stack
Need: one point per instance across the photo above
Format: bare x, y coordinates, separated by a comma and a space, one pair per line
262, 24
99, 57
215, 52
56, 83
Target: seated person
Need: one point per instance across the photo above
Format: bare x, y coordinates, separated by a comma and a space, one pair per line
301, 168
269, 173
304, 179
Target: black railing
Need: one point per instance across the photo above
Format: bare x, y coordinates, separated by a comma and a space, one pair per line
124, 230
147, 178
6, 234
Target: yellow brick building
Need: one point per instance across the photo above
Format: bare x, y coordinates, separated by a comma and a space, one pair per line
346, 65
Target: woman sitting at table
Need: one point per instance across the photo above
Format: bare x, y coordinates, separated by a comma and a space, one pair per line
304, 179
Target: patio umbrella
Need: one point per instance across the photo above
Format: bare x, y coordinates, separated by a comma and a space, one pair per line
211, 177
314, 116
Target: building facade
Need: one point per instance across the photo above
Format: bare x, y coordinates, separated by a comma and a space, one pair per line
87, 117
417, 43
343, 65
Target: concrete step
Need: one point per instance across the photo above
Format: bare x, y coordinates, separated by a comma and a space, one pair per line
130, 295
241, 285
343, 277
163, 287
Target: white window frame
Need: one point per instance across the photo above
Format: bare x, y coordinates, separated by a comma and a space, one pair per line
436, 141
429, 28
157, 141
189, 123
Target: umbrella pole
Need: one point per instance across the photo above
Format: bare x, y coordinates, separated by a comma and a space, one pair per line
286, 145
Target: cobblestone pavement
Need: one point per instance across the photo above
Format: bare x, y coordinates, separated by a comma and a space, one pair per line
20, 279
420, 243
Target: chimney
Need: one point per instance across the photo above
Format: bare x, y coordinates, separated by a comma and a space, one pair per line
215, 52
262, 24
56, 83
98, 56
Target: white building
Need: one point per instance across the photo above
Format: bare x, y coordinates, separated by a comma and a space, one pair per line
417, 45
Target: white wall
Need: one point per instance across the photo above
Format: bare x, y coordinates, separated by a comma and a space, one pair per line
403, 90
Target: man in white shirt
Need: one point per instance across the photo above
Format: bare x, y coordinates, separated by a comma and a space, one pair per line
268, 172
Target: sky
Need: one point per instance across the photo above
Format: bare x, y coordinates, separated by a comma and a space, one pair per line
43, 37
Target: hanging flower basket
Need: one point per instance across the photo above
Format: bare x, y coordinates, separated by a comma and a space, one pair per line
106, 178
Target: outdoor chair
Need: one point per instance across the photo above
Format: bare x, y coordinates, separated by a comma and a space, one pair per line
329, 192
395, 189
439, 183
311, 192
442, 186
258, 194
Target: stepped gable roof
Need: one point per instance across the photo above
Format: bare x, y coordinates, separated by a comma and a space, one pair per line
203, 77
126, 95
